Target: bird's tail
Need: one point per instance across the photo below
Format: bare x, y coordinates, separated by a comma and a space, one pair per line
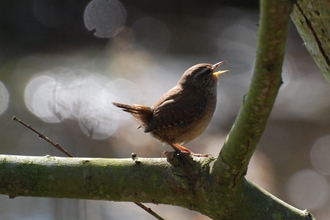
141, 113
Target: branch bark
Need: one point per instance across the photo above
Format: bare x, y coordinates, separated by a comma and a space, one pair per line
257, 104
144, 180
312, 22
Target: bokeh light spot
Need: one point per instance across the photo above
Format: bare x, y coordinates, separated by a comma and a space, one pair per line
61, 93
107, 17
39, 97
4, 98
320, 155
307, 189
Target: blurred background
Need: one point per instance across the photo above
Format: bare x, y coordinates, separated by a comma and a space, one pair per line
62, 63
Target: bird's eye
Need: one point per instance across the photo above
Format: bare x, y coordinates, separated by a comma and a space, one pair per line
202, 72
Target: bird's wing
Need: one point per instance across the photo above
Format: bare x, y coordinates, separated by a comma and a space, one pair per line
177, 111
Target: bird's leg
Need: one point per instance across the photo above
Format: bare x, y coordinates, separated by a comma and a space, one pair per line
181, 149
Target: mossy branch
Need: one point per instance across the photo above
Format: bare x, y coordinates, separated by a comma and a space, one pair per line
143, 179
312, 22
258, 102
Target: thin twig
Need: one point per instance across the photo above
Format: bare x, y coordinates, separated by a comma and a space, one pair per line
43, 136
149, 210
70, 155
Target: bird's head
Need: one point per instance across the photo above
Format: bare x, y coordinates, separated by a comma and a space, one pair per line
201, 75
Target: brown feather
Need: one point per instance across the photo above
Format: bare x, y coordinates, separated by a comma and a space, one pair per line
141, 113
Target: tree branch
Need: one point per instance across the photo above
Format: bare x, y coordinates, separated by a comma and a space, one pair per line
100, 179
258, 102
146, 180
312, 22
231, 166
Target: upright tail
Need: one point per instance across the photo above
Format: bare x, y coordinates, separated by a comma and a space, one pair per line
141, 113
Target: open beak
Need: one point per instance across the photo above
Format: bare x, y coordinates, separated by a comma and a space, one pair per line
216, 74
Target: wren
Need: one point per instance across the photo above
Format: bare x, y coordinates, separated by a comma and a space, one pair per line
184, 112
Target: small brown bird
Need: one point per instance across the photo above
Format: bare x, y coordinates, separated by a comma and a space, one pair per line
184, 112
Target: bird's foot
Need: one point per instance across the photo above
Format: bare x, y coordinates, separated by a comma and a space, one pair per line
185, 151
164, 154
177, 158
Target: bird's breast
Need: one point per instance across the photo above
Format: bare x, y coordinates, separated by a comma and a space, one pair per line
185, 127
